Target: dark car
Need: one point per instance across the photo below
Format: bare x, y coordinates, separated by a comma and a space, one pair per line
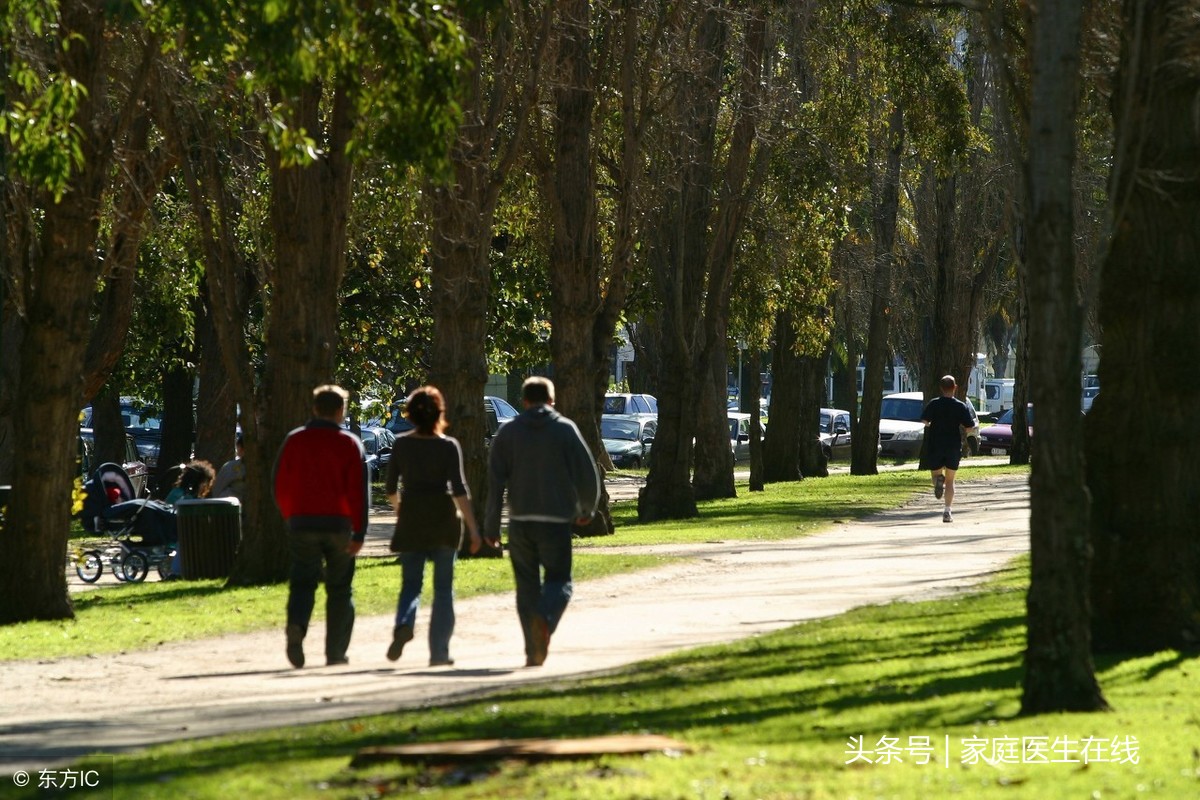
140, 420
378, 444
627, 440
997, 440
138, 472
496, 412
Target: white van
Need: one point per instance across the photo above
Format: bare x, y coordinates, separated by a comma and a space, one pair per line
998, 394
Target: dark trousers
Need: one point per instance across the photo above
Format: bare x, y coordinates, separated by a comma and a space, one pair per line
312, 550
534, 547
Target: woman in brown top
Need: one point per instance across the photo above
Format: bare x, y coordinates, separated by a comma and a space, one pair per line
431, 507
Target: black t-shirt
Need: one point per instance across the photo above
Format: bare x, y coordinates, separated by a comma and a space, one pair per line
945, 415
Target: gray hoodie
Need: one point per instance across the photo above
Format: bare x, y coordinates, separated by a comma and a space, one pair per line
549, 474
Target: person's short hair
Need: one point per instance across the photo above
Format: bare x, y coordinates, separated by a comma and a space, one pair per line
329, 399
426, 409
538, 391
948, 382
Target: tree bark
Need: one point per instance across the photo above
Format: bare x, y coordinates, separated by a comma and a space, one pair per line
678, 258
216, 401
1145, 586
751, 395
33, 583
1059, 675
781, 450
812, 460
309, 211
863, 451
464, 213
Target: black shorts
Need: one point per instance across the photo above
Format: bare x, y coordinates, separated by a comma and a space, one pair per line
937, 459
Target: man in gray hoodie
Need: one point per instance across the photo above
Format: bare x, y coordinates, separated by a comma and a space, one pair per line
550, 477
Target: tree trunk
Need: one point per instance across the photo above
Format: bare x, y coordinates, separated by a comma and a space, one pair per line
463, 227
33, 581
309, 211
1059, 675
569, 183
216, 402
863, 451
743, 172
178, 422
678, 258
751, 396
146, 171
1145, 585
812, 461
781, 451
108, 427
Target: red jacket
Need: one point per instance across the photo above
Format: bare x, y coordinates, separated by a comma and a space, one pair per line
321, 480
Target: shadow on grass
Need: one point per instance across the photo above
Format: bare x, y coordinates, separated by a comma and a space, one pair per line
899, 667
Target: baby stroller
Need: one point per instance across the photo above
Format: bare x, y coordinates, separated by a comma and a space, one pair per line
142, 532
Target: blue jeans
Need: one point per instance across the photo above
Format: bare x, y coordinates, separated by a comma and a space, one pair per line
532, 548
311, 550
412, 577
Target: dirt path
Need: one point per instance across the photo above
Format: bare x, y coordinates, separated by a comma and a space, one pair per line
63, 708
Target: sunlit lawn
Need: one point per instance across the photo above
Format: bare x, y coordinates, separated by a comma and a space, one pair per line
777, 716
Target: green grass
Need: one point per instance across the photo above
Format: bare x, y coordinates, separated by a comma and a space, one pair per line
786, 510
768, 717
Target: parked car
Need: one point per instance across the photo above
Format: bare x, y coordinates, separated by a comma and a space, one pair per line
1089, 397
739, 435
140, 420
627, 440
377, 441
498, 411
835, 433
901, 430
630, 404
997, 440
139, 472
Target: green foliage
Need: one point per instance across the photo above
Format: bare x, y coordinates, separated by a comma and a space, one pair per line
384, 323
44, 145
401, 62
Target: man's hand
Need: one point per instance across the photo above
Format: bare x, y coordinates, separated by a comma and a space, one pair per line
475, 542
492, 541
353, 547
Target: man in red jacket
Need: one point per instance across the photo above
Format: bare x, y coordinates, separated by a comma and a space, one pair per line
321, 490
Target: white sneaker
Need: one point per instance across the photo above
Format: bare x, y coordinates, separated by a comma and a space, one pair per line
947, 516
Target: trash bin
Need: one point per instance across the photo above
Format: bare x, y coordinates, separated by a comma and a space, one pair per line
210, 530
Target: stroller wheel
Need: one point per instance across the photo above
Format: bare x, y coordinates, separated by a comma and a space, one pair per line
116, 562
135, 567
88, 566
164, 565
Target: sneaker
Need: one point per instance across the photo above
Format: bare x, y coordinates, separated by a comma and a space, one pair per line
401, 636
295, 646
539, 632
337, 662
939, 487
947, 516
441, 662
